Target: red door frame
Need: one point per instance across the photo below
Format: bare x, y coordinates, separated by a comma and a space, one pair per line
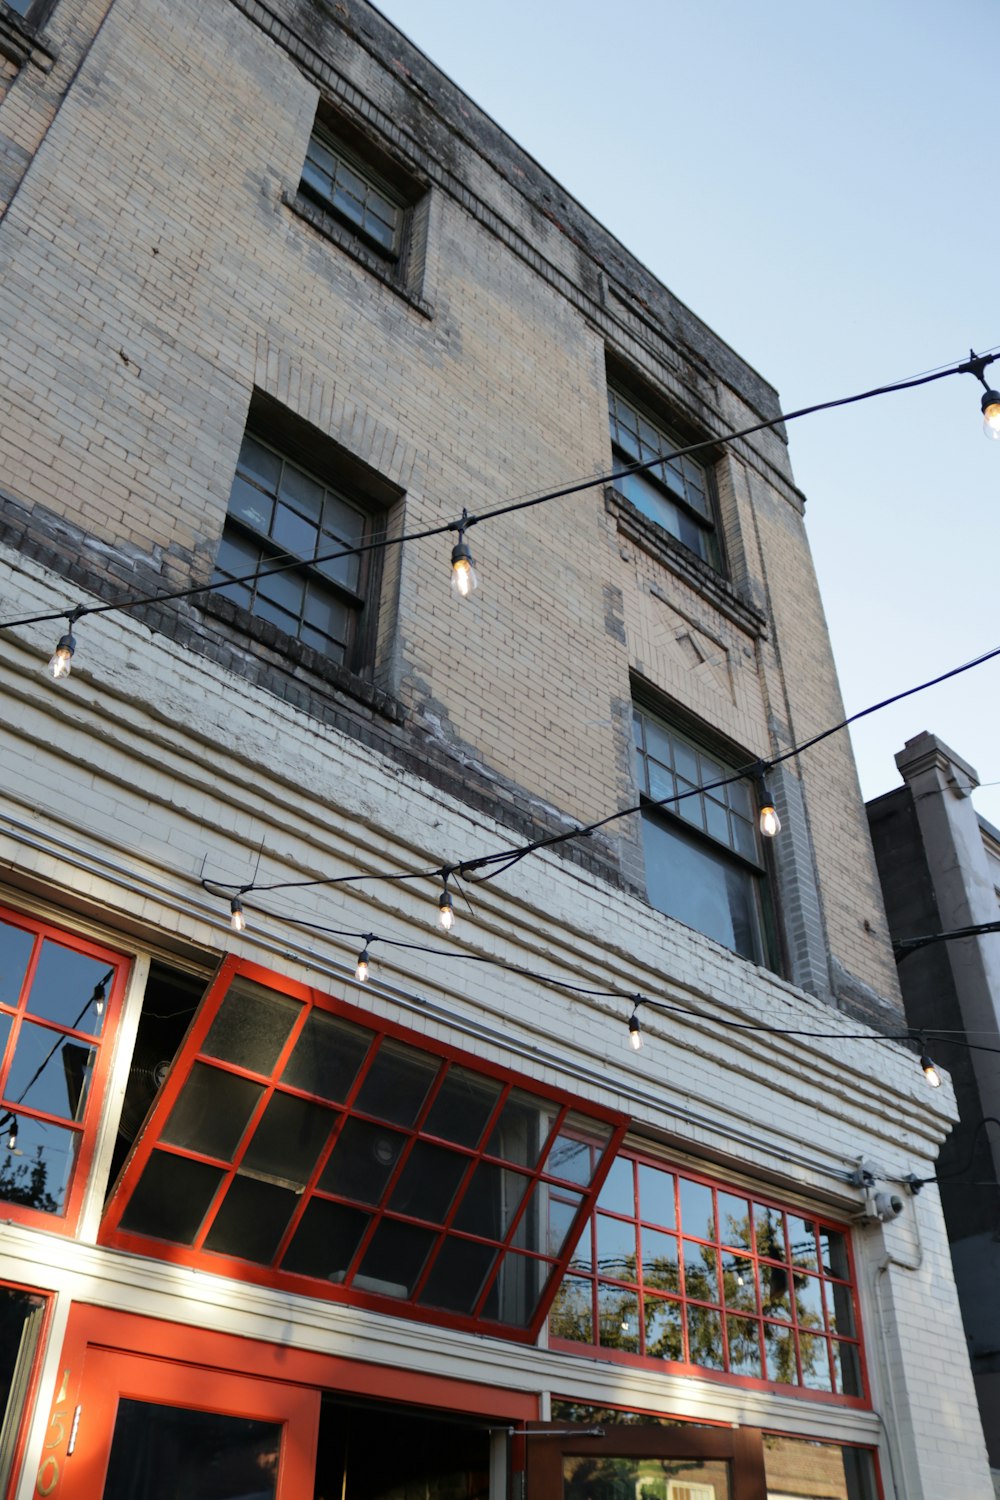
151, 1353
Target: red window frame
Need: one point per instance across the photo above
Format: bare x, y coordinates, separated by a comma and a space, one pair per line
569, 1120
753, 1262
66, 1220
30, 1388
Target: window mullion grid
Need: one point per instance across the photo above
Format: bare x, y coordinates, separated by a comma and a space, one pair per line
256, 1115
527, 1198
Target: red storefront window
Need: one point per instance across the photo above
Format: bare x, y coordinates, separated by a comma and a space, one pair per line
713, 1279
303, 1143
59, 999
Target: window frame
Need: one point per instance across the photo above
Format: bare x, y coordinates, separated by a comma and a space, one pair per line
86, 1128
658, 812
286, 435
642, 1161
330, 139
703, 520
567, 1111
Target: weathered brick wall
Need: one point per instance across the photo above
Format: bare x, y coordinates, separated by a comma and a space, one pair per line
153, 278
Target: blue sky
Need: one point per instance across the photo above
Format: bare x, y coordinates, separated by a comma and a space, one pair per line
819, 185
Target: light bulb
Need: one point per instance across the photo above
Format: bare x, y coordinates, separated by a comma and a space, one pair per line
12, 1138
991, 415
768, 822
930, 1071
98, 997
446, 912
362, 969
60, 662
463, 572
634, 1032
237, 920
739, 1279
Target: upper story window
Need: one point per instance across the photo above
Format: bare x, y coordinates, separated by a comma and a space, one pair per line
59, 996
280, 511
676, 1268
344, 186
702, 857
301, 1143
676, 494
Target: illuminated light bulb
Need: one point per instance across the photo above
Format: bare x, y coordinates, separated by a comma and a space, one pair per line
12, 1138
768, 822
739, 1279
60, 662
634, 1032
237, 919
446, 912
98, 997
991, 415
930, 1071
463, 573
362, 969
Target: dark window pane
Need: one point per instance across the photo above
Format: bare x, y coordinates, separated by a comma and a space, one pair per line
744, 1346
656, 1196
262, 463
251, 1220
618, 1192
49, 1072
695, 883
37, 1172
251, 1027
249, 504
426, 1189
833, 1254
211, 1112
325, 1241
327, 1057
840, 1309
701, 1273
847, 1367
458, 1275
397, 1083
664, 1328
285, 591
394, 1258
522, 1129
705, 1337
802, 1242
362, 1161
562, 1213
462, 1107
571, 1316
21, 1315
734, 1221
697, 1212
618, 1319
15, 953
490, 1201
302, 494
660, 1267
171, 1198
616, 1248
518, 1289
158, 1451
288, 1140
293, 534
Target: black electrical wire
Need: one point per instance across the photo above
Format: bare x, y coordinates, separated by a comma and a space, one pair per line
973, 365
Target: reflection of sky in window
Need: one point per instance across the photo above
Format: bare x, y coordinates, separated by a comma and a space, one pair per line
62, 988
49, 1072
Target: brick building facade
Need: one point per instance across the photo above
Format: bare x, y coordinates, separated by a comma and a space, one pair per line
272, 286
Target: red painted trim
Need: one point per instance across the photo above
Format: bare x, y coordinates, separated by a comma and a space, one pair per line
196, 1255
103, 1045
106, 1328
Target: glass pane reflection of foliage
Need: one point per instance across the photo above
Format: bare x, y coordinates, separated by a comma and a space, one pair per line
605, 1478
674, 1268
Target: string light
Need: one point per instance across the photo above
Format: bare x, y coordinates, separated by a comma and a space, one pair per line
929, 1070
464, 579
237, 917
61, 660
990, 403
446, 912
12, 1137
98, 998
362, 968
634, 1032
767, 819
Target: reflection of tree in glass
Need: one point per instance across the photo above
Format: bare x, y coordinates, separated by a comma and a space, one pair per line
26, 1182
